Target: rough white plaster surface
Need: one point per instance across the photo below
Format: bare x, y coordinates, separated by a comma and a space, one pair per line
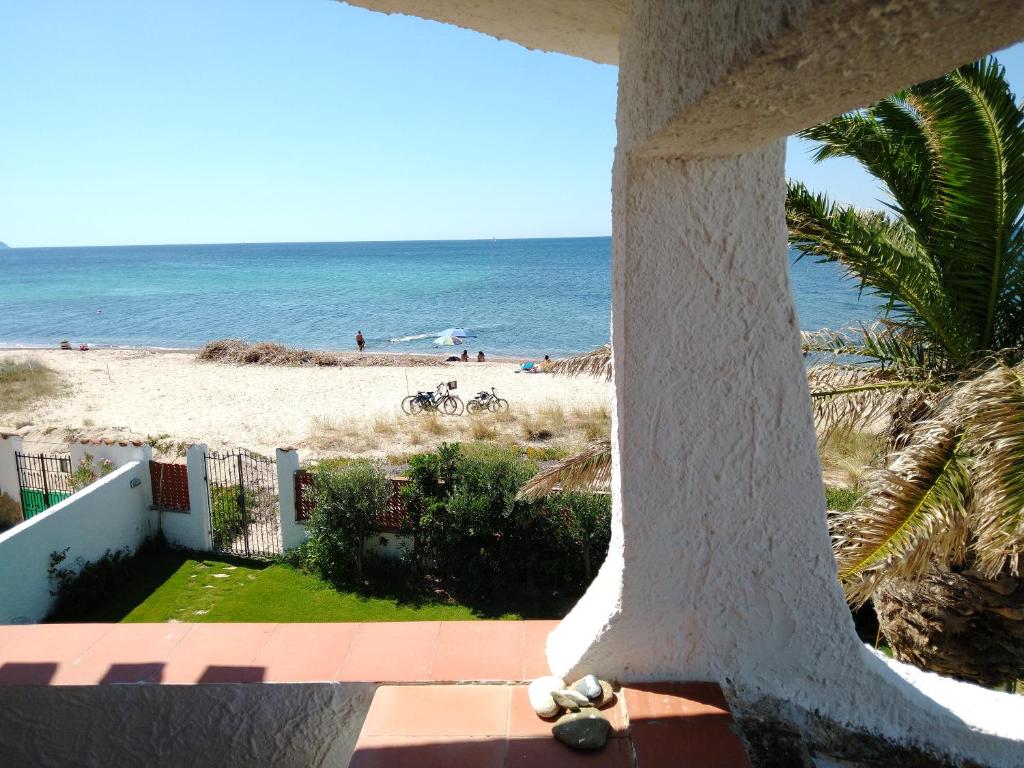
585, 28
280, 725
107, 515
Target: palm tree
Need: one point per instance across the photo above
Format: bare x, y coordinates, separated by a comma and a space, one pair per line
591, 469
937, 538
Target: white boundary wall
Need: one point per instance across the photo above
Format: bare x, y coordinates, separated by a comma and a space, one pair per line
110, 514
8, 466
191, 529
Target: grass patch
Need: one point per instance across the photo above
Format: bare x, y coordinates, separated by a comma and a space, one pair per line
180, 586
482, 429
840, 499
25, 382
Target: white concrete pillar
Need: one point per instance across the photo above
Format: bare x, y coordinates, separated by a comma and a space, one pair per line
720, 566
192, 530
8, 467
293, 534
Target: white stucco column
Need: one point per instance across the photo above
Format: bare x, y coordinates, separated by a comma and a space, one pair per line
8, 466
720, 566
192, 530
293, 534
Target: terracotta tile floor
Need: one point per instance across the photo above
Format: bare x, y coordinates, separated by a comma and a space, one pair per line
420, 722
492, 726
398, 652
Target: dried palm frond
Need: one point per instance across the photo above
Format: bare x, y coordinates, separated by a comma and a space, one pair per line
597, 362
589, 470
996, 438
912, 512
854, 397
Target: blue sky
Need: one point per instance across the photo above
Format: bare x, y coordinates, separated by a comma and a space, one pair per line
287, 120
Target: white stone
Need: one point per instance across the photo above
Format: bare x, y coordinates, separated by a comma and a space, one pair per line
539, 693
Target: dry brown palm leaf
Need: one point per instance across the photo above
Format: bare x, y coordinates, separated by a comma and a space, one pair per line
589, 470
597, 363
996, 438
912, 511
854, 397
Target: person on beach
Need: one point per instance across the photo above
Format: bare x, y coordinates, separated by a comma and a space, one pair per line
480, 357
360, 341
464, 357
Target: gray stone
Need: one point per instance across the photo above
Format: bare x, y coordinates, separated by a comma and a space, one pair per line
570, 699
586, 729
589, 686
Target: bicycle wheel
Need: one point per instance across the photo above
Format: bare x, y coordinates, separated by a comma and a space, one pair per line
408, 404
500, 405
473, 407
452, 406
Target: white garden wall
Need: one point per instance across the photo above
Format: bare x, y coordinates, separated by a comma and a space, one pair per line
108, 515
8, 467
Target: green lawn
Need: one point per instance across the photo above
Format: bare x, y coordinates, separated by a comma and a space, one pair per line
166, 585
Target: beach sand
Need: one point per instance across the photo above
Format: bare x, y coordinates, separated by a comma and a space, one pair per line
321, 411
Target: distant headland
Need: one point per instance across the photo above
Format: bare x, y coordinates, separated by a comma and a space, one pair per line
4, 245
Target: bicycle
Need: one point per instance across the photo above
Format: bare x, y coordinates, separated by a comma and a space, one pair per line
440, 400
486, 401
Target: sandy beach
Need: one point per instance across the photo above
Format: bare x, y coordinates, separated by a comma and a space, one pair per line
352, 410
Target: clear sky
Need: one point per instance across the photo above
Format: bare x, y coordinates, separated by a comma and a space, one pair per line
301, 120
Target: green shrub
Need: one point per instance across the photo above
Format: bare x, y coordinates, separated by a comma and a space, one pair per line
225, 515
87, 473
348, 498
470, 526
581, 530
79, 589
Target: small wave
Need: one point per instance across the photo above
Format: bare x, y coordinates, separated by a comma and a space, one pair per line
414, 337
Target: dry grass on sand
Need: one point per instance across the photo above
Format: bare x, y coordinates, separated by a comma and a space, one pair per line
552, 428
239, 352
24, 382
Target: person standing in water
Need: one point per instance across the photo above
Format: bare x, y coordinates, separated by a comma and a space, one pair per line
480, 356
360, 341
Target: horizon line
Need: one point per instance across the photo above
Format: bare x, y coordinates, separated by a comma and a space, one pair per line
310, 242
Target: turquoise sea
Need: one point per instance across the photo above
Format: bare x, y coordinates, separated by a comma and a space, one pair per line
523, 297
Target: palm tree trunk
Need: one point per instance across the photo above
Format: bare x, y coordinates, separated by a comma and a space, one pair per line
956, 623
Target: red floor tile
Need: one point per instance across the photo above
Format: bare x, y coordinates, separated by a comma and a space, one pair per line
396, 652
427, 752
134, 653
673, 724
548, 753
438, 710
305, 652
536, 638
479, 650
36, 657
218, 653
651, 701
11, 632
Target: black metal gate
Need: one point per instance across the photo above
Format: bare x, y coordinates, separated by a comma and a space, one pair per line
44, 480
245, 514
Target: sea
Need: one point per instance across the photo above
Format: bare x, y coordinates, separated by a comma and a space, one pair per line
521, 297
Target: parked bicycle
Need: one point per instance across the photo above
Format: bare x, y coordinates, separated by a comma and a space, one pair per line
441, 400
486, 401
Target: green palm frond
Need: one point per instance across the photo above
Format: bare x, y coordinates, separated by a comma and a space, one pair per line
597, 363
912, 513
977, 134
996, 437
589, 470
884, 256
